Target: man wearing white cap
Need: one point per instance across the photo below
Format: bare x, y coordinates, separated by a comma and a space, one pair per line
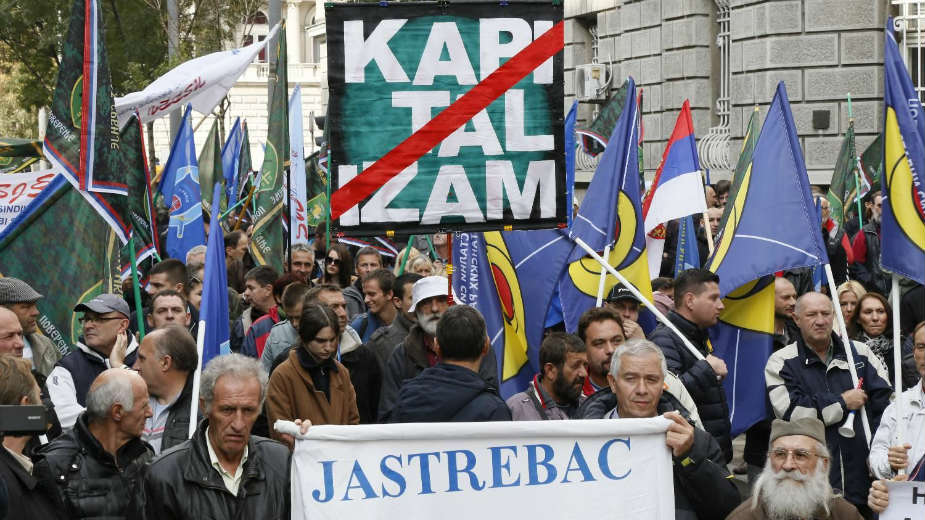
417, 352
104, 344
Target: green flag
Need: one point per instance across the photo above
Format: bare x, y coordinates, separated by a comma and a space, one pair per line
210, 168
872, 167
140, 207
59, 227
245, 164
594, 137
82, 140
16, 155
743, 164
842, 188
267, 240
317, 189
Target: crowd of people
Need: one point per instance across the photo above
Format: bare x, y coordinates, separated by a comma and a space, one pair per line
345, 338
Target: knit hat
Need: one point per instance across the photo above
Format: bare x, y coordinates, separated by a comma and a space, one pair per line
808, 426
14, 290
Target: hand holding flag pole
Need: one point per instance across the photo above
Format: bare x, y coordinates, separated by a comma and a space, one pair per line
849, 350
632, 288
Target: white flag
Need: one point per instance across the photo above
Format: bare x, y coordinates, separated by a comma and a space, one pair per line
298, 218
202, 81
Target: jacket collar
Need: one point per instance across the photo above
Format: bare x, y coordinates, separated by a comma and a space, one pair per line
129, 451
809, 355
415, 348
402, 323
98, 356
200, 470
689, 329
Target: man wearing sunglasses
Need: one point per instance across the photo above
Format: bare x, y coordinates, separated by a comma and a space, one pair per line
104, 344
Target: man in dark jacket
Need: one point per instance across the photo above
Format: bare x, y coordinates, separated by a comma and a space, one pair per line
697, 307
30, 492
223, 471
385, 340
453, 390
810, 378
99, 463
418, 351
167, 358
366, 261
703, 488
866, 251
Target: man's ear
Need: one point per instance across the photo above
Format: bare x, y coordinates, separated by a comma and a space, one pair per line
179, 288
612, 383
486, 346
116, 412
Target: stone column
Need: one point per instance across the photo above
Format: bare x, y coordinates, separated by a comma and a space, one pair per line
294, 31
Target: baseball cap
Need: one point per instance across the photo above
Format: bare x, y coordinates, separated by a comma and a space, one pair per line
104, 303
620, 292
14, 290
428, 287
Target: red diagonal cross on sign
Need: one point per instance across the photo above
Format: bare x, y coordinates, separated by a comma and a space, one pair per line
447, 121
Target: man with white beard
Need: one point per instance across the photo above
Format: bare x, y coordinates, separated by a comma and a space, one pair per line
417, 352
795, 483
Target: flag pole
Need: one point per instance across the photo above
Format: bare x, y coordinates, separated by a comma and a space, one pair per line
250, 194
632, 288
857, 171
136, 288
197, 375
600, 282
404, 259
897, 367
843, 331
289, 217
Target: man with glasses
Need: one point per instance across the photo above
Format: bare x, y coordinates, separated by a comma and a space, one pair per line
104, 344
794, 482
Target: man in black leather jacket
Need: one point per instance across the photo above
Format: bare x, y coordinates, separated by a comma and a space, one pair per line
98, 464
223, 471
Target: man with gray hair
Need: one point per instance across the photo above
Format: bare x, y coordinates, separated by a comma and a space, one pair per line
196, 255
167, 359
17, 296
98, 464
303, 261
702, 485
795, 481
223, 471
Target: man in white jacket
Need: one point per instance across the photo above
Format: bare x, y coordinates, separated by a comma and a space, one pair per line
105, 344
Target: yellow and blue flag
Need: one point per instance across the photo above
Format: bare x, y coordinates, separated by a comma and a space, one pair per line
610, 214
510, 277
752, 247
902, 228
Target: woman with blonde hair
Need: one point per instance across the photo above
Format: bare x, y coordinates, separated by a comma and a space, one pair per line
400, 259
849, 294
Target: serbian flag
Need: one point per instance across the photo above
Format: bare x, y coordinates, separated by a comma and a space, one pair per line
677, 190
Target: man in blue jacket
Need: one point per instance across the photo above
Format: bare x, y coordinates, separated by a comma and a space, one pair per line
810, 378
453, 390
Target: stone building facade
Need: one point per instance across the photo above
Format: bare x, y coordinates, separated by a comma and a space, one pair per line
726, 56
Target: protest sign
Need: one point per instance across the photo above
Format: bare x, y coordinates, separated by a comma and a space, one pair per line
17, 190
907, 501
532, 469
446, 116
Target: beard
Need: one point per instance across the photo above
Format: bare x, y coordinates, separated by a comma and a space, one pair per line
567, 391
428, 322
791, 494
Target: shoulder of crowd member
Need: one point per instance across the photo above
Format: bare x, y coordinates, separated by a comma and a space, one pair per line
597, 404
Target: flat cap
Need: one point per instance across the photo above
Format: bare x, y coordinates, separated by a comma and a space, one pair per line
14, 290
105, 303
808, 426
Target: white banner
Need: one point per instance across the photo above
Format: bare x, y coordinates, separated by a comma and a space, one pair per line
298, 197
450, 471
202, 81
907, 500
17, 190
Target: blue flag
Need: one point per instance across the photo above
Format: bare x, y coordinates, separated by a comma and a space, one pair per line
510, 277
752, 247
570, 159
902, 228
213, 311
180, 186
610, 214
687, 255
231, 156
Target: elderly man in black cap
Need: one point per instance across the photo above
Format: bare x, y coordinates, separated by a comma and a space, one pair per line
626, 304
105, 344
17, 296
795, 480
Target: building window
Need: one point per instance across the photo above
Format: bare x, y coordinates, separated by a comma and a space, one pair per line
909, 24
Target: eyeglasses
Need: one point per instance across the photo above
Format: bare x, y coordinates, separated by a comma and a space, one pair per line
97, 319
333, 261
800, 456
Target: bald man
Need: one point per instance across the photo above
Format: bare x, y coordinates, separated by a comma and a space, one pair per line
11, 337
810, 378
108, 432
